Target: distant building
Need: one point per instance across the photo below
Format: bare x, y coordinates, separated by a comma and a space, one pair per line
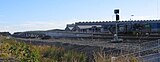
5, 33
109, 26
69, 27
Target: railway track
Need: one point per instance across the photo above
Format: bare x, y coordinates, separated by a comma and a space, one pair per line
106, 36
125, 38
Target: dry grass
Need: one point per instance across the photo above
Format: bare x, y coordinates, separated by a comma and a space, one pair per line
58, 54
130, 58
102, 57
21, 51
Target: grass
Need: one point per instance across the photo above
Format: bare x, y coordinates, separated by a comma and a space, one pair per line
130, 58
18, 51
23, 52
101, 56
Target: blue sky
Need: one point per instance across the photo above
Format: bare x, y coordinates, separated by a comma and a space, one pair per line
25, 15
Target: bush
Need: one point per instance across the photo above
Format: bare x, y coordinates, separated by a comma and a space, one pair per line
19, 51
22, 52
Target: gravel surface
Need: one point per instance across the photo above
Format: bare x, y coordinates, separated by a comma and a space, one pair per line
130, 47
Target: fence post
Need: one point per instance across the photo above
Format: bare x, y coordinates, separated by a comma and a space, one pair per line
113, 59
158, 45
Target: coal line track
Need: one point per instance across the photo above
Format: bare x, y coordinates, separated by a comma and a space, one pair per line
110, 36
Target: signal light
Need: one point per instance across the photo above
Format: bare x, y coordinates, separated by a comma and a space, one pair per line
116, 11
117, 17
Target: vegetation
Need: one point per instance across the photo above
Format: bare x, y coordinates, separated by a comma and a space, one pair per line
129, 58
11, 50
101, 57
18, 51
22, 52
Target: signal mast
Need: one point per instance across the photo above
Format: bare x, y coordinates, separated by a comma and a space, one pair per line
116, 12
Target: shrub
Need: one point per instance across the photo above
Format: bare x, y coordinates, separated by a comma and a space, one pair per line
19, 51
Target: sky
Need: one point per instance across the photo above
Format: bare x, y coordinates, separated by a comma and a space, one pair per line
30, 15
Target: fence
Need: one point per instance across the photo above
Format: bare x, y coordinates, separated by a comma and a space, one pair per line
147, 52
